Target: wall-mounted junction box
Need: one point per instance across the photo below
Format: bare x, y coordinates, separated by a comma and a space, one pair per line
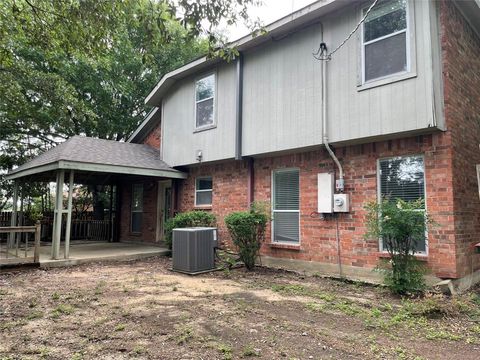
341, 203
325, 185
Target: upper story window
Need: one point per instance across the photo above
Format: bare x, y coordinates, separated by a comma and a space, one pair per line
385, 40
205, 102
203, 191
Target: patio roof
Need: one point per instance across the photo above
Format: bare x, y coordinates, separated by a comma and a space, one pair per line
98, 156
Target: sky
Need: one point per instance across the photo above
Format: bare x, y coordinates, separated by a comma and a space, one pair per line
270, 11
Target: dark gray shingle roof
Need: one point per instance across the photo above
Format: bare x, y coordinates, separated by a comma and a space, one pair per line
103, 152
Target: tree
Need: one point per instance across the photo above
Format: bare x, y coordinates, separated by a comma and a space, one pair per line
401, 225
84, 66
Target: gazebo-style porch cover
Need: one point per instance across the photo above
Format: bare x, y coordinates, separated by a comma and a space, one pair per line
88, 161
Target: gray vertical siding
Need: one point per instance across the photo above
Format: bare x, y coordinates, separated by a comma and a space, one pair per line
180, 141
282, 107
282, 93
397, 107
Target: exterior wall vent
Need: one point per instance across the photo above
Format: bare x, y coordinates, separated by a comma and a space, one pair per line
193, 249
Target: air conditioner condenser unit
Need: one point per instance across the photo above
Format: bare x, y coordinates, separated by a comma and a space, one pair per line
193, 249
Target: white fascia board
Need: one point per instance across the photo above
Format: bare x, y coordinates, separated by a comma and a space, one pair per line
32, 171
169, 78
102, 168
117, 169
143, 124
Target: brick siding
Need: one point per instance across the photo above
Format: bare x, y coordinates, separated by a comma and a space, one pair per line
318, 237
461, 75
452, 198
149, 218
154, 138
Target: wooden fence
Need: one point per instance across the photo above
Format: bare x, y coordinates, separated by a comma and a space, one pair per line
84, 227
96, 230
20, 244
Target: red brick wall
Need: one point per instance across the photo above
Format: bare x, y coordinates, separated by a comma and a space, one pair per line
318, 237
229, 190
451, 183
154, 138
461, 74
149, 219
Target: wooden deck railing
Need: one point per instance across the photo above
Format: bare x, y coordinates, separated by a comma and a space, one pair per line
17, 247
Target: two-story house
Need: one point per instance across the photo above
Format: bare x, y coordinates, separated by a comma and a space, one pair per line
397, 104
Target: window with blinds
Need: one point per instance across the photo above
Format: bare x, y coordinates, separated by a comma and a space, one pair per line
286, 206
403, 178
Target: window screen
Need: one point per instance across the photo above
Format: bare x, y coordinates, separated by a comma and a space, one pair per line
385, 39
203, 191
286, 202
403, 178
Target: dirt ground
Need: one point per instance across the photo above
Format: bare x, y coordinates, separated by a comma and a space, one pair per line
139, 309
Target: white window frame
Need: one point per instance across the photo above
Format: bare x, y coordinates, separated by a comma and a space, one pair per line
272, 222
379, 197
410, 52
204, 190
133, 211
214, 97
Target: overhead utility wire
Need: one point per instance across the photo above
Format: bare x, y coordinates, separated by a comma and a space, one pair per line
319, 54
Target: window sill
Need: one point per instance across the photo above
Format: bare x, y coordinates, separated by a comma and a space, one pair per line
202, 207
386, 81
285, 246
420, 257
209, 127
135, 233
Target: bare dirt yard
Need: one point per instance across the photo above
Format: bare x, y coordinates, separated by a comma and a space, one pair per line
139, 309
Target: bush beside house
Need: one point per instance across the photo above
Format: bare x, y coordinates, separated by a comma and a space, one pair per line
188, 219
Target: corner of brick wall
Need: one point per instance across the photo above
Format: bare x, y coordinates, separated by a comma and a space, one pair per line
154, 138
461, 76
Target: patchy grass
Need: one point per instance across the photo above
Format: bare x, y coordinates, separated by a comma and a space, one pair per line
62, 309
249, 351
140, 309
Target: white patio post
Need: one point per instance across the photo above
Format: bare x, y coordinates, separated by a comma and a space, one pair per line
13, 220
57, 220
69, 214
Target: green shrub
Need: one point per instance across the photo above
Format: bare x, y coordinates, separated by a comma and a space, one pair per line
400, 225
188, 219
247, 229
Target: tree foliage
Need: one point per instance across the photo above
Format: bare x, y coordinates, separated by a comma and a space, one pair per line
247, 229
194, 218
85, 66
401, 225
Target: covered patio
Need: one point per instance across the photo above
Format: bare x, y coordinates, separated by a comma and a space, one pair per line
84, 252
83, 160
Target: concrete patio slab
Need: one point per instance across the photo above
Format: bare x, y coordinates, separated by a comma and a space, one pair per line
85, 252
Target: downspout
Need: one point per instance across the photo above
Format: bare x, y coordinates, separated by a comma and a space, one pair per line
239, 130
250, 181
340, 183
239, 107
